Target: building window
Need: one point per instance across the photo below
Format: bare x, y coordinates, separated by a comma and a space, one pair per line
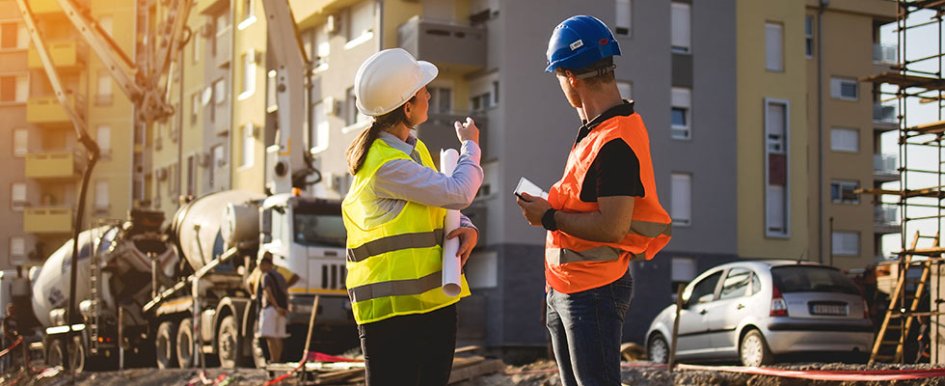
844, 88
681, 204
249, 13
103, 135
248, 83
774, 47
195, 48
681, 25
626, 90
101, 196
845, 140
271, 80
361, 17
845, 243
249, 145
776, 169
482, 102
681, 127
319, 127
219, 91
107, 22
842, 192
322, 47
623, 18
13, 36
441, 99
194, 106
18, 196
192, 174
14, 88
20, 142
682, 271
352, 114
103, 96
17, 247
809, 36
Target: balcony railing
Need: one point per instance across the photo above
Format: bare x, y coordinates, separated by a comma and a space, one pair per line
444, 43
63, 53
53, 165
885, 114
886, 215
885, 164
47, 220
885, 53
47, 110
44, 6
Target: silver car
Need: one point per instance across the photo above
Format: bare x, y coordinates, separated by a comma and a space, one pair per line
755, 310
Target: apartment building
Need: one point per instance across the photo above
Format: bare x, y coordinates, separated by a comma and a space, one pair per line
45, 162
845, 121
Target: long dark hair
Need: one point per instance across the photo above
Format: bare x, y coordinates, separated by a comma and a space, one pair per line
358, 149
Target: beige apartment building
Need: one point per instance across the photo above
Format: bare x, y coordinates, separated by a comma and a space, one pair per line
44, 162
845, 121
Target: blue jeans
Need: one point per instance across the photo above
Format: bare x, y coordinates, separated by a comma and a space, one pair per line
586, 329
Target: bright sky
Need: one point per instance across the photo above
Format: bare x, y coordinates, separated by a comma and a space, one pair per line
921, 43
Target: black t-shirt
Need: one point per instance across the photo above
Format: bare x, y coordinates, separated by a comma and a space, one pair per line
616, 168
277, 285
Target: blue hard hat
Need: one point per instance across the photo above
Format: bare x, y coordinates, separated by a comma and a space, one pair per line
579, 42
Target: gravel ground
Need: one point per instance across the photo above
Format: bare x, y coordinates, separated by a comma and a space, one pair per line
541, 373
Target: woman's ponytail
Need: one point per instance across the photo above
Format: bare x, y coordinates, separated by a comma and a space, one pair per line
357, 150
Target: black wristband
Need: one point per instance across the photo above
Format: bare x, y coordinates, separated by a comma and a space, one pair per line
548, 220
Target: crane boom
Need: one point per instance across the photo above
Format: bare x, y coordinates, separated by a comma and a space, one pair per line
283, 162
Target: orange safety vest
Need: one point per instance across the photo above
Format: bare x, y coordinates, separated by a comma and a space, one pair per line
573, 264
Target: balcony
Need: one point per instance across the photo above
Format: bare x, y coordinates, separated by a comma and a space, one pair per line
885, 117
885, 54
64, 55
886, 218
45, 6
46, 110
438, 132
47, 220
60, 165
885, 168
454, 46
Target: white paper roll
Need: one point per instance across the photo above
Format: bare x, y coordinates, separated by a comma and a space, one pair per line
452, 266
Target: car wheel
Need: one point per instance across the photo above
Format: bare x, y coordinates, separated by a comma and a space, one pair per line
657, 349
228, 343
753, 350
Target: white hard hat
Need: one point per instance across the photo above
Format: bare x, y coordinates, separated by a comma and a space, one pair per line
388, 79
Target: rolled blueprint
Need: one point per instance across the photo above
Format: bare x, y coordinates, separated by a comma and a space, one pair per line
452, 267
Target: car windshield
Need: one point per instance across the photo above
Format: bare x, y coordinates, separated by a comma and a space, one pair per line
812, 279
319, 230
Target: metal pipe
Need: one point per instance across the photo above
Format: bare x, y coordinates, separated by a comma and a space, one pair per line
820, 129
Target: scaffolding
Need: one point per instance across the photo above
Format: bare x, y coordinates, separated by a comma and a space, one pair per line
917, 297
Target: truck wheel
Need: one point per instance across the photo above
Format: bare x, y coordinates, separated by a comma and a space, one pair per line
165, 351
260, 349
185, 344
54, 353
77, 355
228, 342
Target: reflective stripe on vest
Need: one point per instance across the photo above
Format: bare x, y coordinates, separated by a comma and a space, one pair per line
573, 264
394, 267
560, 256
396, 287
393, 243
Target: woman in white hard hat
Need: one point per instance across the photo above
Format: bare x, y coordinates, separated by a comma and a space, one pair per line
394, 215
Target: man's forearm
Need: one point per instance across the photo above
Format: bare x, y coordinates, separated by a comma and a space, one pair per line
591, 226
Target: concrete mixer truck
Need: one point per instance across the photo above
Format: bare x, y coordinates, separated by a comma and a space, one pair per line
180, 297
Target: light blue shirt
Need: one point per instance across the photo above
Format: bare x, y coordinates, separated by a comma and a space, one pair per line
400, 180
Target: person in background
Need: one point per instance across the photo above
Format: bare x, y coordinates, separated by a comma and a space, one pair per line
273, 297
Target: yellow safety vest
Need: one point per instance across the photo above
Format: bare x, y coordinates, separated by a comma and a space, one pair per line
394, 268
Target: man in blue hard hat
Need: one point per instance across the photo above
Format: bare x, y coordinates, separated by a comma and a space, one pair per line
603, 213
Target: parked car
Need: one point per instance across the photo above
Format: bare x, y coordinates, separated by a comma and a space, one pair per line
755, 310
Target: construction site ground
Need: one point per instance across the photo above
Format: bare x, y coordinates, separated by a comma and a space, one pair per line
540, 373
